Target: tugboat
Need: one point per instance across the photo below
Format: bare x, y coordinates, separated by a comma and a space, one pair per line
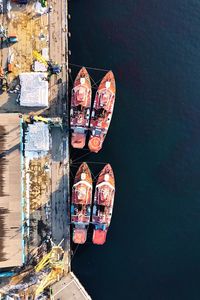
103, 204
81, 203
80, 108
102, 112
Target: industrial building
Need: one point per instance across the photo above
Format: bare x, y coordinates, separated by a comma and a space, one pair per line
11, 250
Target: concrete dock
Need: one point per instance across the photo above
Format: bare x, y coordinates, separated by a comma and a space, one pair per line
69, 288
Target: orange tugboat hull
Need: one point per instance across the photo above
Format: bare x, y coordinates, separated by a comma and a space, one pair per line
79, 236
80, 108
95, 143
102, 112
103, 204
99, 236
81, 203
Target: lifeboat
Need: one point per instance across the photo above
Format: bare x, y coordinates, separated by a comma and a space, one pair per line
103, 205
80, 108
102, 112
81, 204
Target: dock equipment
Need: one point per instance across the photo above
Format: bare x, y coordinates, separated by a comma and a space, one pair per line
12, 39
51, 259
39, 58
53, 67
55, 274
54, 261
43, 3
30, 119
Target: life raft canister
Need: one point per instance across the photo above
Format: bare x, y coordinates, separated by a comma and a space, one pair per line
95, 144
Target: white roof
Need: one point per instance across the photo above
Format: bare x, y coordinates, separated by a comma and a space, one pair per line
39, 67
37, 137
39, 9
34, 89
45, 53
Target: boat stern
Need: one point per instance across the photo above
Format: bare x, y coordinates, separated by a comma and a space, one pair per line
79, 235
78, 140
99, 236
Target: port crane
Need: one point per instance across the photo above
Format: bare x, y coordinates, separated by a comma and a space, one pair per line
53, 261
50, 269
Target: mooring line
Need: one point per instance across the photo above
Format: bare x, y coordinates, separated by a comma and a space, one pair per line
97, 69
81, 157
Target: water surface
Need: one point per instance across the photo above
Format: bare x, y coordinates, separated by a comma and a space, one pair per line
153, 245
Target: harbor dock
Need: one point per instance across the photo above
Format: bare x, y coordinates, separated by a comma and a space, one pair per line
34, 154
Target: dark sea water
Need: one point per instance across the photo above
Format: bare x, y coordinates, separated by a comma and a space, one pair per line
153, 245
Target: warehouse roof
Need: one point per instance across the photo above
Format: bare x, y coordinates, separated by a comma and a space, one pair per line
37, 137
34, 89
11, 250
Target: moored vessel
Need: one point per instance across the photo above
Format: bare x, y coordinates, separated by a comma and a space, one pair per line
80, 108
102, 112
81, 204
103, 204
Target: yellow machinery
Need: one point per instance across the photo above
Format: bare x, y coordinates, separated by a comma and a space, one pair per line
55, 275
53, 68
18, 278
52, 258
39, 58
28, 119
54, 261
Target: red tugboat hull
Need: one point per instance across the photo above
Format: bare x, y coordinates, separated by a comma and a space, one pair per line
81, 203
99, 236
79, 235
80, 108
102, 112
103, 204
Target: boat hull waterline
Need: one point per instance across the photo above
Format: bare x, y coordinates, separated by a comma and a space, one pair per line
80, 108
103, 204
81, 204
102, 112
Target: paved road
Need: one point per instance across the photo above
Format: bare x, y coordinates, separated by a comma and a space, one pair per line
58, 90
69, 288
57, 51
60, 220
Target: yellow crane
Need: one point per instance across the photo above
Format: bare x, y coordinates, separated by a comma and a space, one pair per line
55, 274
53, 260
36, 118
